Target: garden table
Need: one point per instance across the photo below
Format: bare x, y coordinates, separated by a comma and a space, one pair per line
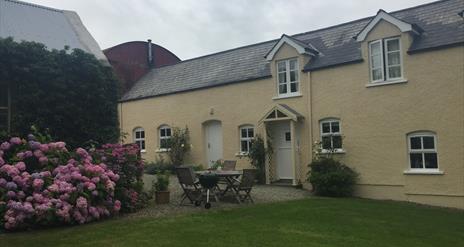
228, 176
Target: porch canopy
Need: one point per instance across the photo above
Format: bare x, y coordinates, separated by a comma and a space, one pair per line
281, 112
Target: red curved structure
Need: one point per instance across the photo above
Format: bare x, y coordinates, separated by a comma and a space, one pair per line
132, 60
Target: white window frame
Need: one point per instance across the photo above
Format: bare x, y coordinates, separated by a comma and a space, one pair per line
384, 62
387, 72
371, 64
140, 139
422, 151
287, 76
248, 139
331, 134
165, 137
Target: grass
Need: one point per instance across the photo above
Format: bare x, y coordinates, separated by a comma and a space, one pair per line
310, 222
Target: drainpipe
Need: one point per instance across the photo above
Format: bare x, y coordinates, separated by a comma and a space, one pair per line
309, 108
150, 53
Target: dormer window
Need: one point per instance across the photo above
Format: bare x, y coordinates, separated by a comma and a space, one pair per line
287, 76
385, 60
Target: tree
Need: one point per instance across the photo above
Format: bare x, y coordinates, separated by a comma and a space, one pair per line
69, 93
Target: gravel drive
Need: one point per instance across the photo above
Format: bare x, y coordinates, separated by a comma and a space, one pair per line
260, 194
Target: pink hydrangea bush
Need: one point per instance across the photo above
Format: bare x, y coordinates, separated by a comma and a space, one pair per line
45, 184
125, 161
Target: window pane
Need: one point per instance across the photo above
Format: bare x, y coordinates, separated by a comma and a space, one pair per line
281, 66
416, 160
243, 133
377, 74
337, 141
164, 143
393, 45
325, 127
143, 145
292, 64
288, 136
137, 134
142, 134
293, 87
376, 61
283, 88
428, 142
335, 127
251, 132
326, 142
375, 48
394, 72
280, 114
416, 143
244, 147
168, 132
293, 76
431, 160
394, 58
282, 78
271, 115
162, 132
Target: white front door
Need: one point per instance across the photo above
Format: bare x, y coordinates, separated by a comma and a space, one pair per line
281, 138
213, 141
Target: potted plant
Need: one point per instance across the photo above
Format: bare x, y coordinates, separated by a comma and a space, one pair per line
161, 188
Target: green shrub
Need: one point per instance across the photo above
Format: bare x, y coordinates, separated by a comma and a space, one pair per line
162, 182
159, 166
257, 156
178, 145
329, 177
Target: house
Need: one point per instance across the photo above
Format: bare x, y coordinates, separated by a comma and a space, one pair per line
385, 92
52, 27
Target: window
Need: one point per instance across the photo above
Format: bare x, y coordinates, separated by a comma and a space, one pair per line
287, 73
331, 135
385, 60
246, 136
164, 136
422, 151
4, 108
139, 138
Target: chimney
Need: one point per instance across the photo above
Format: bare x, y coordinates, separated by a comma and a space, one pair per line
150, 54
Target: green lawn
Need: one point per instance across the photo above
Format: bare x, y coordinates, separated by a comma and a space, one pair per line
310, 222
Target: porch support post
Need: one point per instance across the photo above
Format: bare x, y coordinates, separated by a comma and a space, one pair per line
266, 158
293, 143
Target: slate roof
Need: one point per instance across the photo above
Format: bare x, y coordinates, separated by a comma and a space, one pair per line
52, 27
439, 20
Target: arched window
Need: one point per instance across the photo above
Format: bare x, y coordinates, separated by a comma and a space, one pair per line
331, 135
139, 138
165, 134
247, 133
423, 151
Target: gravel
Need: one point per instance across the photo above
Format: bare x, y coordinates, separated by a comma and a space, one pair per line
260, 194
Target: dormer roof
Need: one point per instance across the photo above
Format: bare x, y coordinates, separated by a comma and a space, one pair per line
301, 47
384, 16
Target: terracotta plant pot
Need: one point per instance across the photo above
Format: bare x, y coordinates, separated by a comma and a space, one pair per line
162, 197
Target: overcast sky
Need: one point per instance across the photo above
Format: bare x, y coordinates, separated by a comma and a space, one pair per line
194, 28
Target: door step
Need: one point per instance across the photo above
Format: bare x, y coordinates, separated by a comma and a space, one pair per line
283, 182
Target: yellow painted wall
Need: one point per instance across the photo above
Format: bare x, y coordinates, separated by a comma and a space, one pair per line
374, 120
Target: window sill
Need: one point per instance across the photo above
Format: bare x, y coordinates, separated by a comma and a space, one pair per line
162, 150
337, 151
423, 172
241, 154
143, 151
286, 96
384, 83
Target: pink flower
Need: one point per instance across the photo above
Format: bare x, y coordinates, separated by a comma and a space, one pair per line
117, 205
37, 183
21, 166
43, 160
5, 146
43, 148
81, 202
15, 140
